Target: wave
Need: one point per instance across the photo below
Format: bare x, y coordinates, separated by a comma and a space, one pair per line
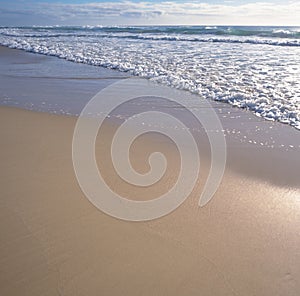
258, 77
211, 39
119, 34
279, 32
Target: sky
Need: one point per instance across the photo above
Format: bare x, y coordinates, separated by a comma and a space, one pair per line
158, 12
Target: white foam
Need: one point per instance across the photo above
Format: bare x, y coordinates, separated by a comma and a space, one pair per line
259, 77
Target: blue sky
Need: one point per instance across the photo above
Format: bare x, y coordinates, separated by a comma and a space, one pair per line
158, 12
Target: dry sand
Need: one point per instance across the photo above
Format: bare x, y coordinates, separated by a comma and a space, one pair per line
55, 242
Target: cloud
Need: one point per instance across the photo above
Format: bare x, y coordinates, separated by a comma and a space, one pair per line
189, 12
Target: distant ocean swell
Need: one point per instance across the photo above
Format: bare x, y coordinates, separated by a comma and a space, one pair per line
281, 32
257, 68
253, 35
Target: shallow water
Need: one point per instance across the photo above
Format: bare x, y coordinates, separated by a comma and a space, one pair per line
257, 68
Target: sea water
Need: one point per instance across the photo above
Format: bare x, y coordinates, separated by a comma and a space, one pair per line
257, 68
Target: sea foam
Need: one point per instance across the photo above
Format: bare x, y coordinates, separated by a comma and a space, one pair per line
258, 70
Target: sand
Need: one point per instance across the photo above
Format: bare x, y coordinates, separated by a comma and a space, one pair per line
53, 241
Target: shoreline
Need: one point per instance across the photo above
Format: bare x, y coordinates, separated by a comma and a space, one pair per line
274, 146
115, 75
55, 242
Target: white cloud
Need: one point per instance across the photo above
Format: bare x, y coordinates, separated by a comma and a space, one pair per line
164, 13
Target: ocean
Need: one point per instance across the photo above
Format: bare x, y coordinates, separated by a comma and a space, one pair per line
257, 68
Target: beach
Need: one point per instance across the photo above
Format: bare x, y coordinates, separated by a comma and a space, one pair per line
245, 241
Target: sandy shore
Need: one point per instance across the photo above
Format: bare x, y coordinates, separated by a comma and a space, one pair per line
55, 242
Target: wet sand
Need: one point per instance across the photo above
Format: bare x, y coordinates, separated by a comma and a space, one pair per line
55, 242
